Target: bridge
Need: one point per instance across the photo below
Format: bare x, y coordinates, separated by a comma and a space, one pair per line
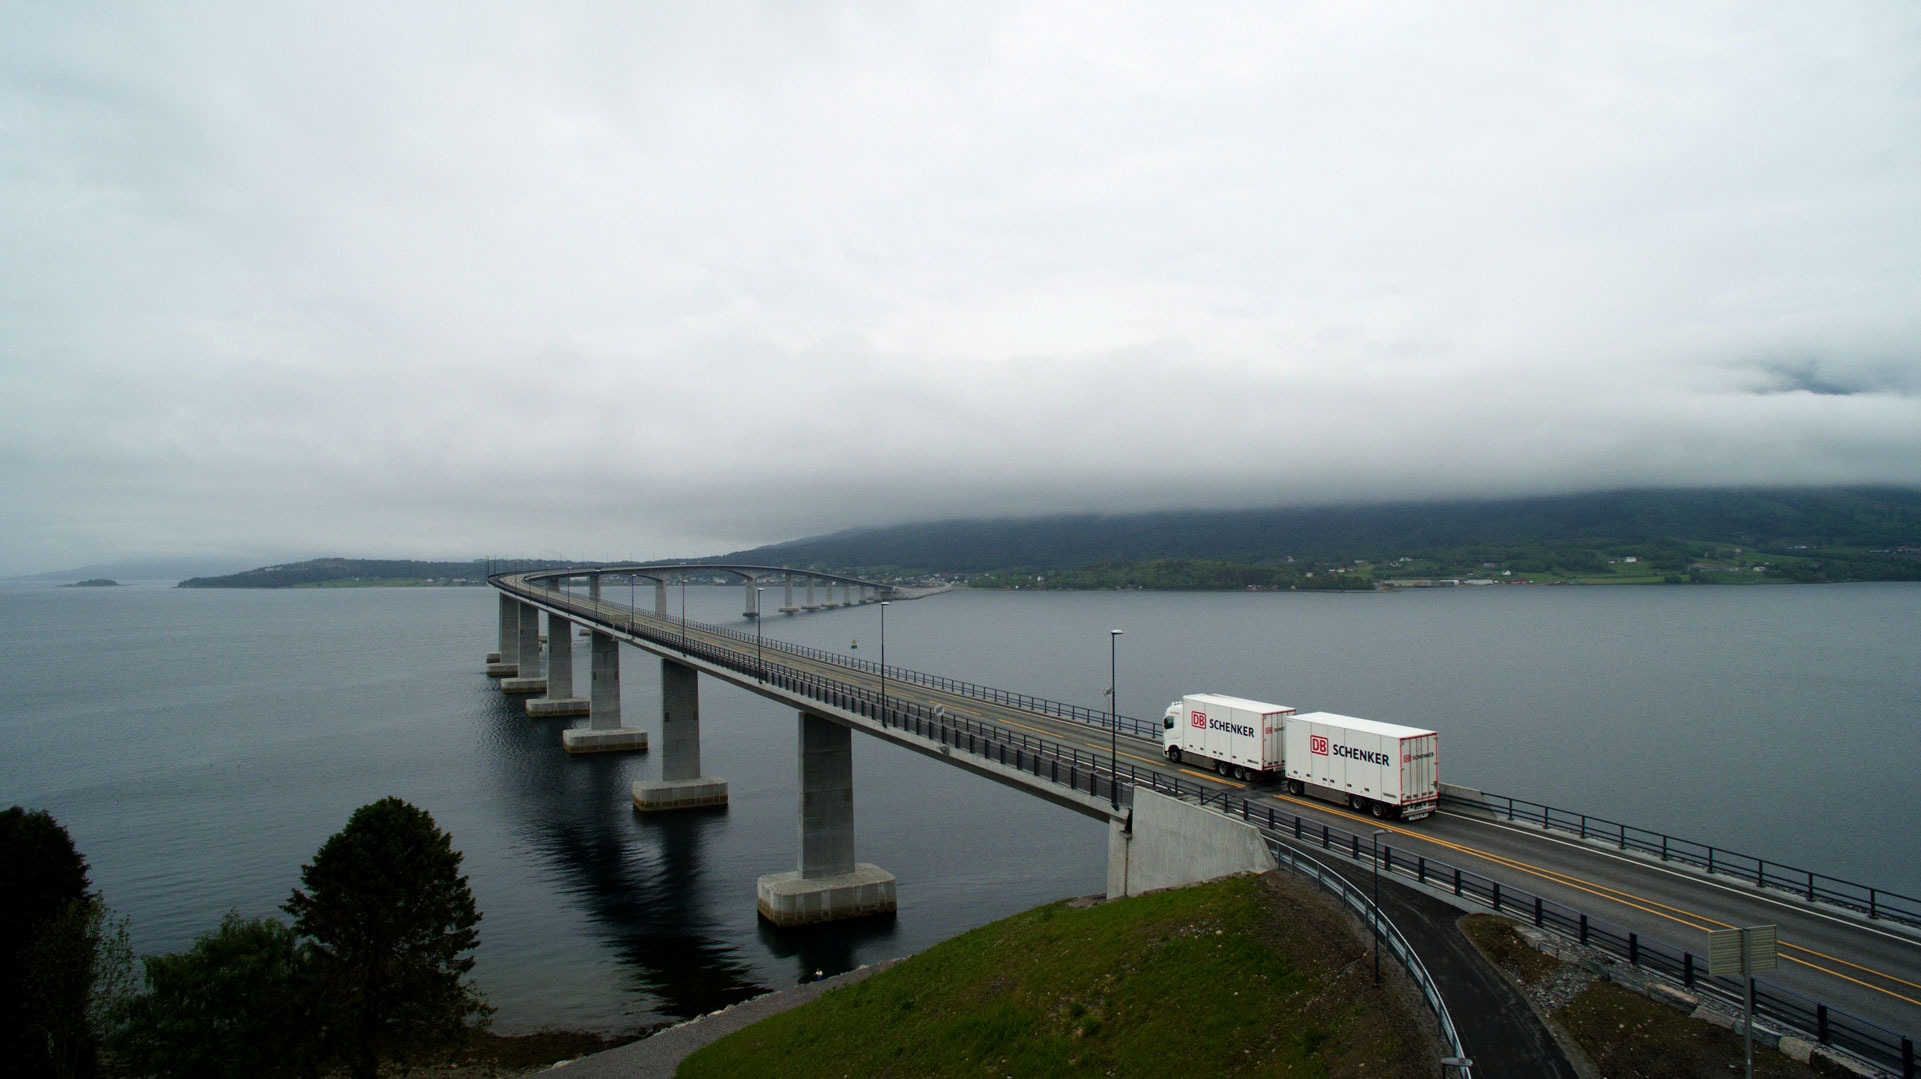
1850, 975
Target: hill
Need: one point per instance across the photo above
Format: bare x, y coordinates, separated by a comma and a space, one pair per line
350, 572
1245, 976
1796, 534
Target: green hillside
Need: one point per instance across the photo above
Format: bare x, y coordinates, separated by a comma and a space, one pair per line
1720, 536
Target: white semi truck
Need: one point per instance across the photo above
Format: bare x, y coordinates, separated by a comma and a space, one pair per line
1372, 767
1232, 735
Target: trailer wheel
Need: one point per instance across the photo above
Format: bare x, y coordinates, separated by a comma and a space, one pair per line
1380, 810
1174, 754
1241, 773
1356, 803
1296, 787
1220, 768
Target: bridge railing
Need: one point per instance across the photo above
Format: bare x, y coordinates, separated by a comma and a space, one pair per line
1083, 771
1782, 1006
1040, 705
1812, 886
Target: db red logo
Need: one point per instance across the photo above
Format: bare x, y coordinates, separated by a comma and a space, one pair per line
1199, 720
1317, 745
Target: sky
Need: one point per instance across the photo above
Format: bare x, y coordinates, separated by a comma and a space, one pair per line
639, 280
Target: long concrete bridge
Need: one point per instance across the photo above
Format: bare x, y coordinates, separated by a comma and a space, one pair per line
1850, 975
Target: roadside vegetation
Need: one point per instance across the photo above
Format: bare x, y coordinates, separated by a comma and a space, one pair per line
370, 970
1245, 976
1623, 1034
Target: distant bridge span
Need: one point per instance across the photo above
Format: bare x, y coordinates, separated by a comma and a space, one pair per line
664, 573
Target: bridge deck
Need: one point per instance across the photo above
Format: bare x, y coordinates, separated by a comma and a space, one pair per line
1869, 969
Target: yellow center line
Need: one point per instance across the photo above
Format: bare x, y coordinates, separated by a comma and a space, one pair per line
1647, 906
1668, 912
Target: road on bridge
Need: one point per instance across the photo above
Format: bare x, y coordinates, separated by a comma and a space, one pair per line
1871, 969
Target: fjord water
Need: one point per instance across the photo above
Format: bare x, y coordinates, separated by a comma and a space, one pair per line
200, 745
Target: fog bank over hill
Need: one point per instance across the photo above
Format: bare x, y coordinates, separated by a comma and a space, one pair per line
1868, 518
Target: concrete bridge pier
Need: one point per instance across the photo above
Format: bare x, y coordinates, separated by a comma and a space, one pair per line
846, 594
560, 699
753, 600
603, 732
498, 665
829, 885
660, 596
680, 786
810, 605
787, 601
528, 660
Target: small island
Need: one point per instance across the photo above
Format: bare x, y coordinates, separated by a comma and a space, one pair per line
95, 582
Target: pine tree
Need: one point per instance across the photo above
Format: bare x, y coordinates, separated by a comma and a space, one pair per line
389, 921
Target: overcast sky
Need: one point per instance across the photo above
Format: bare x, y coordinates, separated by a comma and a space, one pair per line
645, 280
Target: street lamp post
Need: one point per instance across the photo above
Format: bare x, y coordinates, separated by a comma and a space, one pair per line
1113, 720
1378, 833
683, 615
883, 662
760, 665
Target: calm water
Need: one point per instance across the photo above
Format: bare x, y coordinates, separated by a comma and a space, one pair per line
200, 745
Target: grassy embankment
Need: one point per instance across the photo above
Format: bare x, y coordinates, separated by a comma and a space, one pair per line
1624, 1034
1247, 976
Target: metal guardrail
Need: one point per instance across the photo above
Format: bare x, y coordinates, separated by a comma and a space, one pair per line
1794, 1011
1040, 705
1389, 934
1815, 887
1044, 758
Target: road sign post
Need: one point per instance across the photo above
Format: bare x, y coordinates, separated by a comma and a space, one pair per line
1747, 952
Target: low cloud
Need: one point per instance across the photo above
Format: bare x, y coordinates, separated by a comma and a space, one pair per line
664, 282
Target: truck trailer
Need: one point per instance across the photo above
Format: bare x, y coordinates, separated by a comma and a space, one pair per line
1232, 735
1380, 768
1372, 767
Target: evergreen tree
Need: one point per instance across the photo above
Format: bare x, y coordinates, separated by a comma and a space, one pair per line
227, 1008
389, 921
45, 879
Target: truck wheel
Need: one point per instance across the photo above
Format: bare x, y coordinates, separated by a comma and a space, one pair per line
1220, 768
1356, 803
1380, 809
1174, 754
1296, 787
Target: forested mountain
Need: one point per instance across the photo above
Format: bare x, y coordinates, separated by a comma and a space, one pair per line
1676, 530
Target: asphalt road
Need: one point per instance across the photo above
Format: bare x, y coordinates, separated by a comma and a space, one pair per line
1869, 969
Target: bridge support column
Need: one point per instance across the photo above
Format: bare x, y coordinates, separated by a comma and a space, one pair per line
810, 605
529, 658
846, 594
498, 665
829, 885
753, 600
603, 732
560, 699
680, 786
787, 600
660, 597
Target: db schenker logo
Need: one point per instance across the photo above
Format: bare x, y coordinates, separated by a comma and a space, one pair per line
1317, 745
1199, 720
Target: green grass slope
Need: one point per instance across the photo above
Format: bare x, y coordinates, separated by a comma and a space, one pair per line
1246, 976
